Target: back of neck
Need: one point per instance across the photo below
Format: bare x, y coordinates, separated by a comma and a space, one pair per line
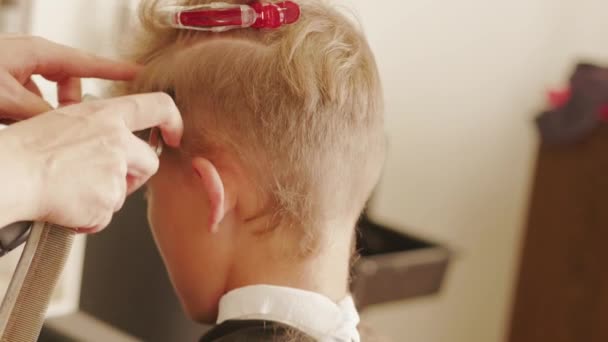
325, 271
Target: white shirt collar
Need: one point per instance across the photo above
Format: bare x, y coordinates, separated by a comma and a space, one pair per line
309, 312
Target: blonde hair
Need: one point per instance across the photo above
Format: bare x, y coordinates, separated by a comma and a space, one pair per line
301, 106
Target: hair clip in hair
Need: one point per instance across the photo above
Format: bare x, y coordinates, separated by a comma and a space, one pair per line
219, 16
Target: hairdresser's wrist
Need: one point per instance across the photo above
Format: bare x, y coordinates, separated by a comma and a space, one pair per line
18, 197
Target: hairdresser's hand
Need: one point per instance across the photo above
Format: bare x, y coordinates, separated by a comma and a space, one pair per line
75, 166
24, 56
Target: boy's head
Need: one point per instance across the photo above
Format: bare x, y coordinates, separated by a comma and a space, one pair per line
282, 147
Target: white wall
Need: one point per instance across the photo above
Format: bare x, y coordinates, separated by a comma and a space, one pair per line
93, 25
464, 80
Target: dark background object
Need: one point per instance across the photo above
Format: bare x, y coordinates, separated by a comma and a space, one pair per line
562, 291
125, 284
583, 111
79, 327
395, 266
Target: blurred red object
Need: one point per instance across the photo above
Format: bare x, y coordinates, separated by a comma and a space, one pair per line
560, 98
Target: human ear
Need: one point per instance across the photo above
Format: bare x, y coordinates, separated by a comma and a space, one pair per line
212, 185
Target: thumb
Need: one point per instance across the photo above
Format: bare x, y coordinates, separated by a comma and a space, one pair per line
18, 103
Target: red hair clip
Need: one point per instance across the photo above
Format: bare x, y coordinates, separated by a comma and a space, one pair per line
219, 16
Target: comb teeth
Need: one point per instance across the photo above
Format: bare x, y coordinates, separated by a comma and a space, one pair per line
27, 299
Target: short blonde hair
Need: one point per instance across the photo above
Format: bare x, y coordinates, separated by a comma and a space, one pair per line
301, 105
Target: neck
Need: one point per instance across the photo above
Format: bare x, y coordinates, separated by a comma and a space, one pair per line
266, 260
